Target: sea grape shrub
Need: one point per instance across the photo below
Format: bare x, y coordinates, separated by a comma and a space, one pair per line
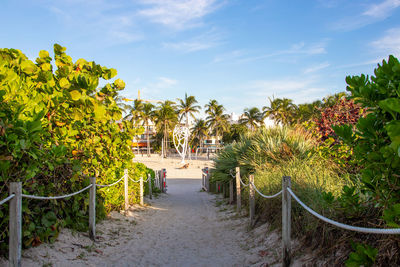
376, 139
56, 128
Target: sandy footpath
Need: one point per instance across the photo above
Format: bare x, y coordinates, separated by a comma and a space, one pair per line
185, 227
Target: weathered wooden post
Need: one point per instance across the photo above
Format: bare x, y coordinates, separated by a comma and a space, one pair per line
160, 180
207, 179
15, 224
141, 191
286, 220
251, 200
92, 209
126, 187
238, 191
231, 191
203, 178
150, 189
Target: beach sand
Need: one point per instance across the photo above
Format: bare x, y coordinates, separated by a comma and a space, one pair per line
184, 227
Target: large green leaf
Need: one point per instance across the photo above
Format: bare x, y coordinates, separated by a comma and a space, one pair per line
44, 54
99, 112
75, 95
28, 67
119, 84
64, 83
391, 105
393, 130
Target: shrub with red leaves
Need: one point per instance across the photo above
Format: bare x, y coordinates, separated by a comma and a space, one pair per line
343, 112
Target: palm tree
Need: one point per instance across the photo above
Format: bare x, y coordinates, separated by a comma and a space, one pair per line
147, 115
135, 115
187, 106
308, 111
216, 119
166, 117
282, 110
252, 117
200, 130
211, 105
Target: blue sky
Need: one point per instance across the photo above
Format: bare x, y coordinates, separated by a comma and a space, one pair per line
238, 52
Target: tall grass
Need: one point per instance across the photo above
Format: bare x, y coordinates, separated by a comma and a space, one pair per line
272, 153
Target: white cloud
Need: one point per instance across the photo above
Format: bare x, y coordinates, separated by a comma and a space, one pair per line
178, 14
164, 82
228, 56
382, 10
204, 41
98, 21
300, 90
372, 14
316, 68
299, 49
389, 43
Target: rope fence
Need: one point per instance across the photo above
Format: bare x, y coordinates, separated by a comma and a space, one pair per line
287, 193
57, 197
15, 207
7, 199
108, 185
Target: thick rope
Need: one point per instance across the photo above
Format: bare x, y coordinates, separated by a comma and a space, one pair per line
58, 197
107, 185
134, 180
265, 196
345, 226
240, 179
7, 199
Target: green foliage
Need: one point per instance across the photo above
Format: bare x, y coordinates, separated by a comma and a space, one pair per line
56, 127
364, 255
376, 139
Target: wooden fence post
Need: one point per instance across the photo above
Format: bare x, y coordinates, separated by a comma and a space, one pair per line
160, 180
231, 191
286, 220
238, 191
150, 189
251, 200
126, 193
92, 209
141, 191
207, 179
15, 225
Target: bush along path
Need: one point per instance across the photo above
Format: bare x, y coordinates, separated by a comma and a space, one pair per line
58, 127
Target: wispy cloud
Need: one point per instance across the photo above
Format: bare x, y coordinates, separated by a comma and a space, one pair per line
372, 14
389, 43
98, 21
299, 49
178, 14
299, 89
165, 82
204, 41
228, 56
382, 10
316, 68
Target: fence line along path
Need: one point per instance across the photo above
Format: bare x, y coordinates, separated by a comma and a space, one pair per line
287, 194
15, 209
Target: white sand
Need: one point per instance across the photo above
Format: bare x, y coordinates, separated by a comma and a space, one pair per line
185, 227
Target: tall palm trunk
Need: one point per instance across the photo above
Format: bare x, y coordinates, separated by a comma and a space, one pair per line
187, 126
148, 139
